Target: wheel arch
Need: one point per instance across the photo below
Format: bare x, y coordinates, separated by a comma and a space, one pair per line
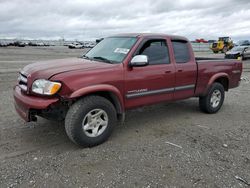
223, 81
109, 92
221, 78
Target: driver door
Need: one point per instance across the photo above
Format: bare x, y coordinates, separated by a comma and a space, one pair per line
154, 82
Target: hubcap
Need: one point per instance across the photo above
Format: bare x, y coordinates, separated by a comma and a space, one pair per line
215, 98
95, 122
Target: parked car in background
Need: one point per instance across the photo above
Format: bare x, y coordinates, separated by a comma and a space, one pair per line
19, 44
76, 46
3, 44
243, 43
246, 53
89, 45
32, 44
238, 52
46, 44
40, 44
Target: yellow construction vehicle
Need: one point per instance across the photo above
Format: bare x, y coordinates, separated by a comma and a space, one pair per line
222, 45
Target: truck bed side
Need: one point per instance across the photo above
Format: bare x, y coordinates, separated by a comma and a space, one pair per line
227, 72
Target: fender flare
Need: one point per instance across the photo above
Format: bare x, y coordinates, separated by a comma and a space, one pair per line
115, 94
215, 77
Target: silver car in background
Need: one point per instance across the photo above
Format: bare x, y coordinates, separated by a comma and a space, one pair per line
238, 52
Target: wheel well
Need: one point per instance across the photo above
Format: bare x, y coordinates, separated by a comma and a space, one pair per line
112, 98
223, 81
109, 96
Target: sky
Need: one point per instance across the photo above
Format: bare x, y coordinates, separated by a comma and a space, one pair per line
88, 20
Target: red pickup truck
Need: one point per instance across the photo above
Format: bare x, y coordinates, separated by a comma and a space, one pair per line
91, 93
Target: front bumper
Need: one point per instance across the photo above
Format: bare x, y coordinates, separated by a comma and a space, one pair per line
24, 104
232, 56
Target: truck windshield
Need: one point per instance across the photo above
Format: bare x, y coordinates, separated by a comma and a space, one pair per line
112, 49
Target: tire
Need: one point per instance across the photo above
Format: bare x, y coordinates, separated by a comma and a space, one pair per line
216, 52
86, 130
209, 103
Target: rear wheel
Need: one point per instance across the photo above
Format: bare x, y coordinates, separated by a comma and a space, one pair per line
90, 121
212, 102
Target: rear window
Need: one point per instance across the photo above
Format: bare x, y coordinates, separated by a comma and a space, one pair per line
181, 51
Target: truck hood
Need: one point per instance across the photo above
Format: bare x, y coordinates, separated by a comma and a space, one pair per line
47, 69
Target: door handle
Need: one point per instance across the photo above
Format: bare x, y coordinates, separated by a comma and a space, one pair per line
180, 70
167, 71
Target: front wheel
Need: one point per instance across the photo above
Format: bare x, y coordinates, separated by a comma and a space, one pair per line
90, 121
212, 102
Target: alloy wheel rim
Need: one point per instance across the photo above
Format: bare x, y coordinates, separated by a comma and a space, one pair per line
95, 122
215, 98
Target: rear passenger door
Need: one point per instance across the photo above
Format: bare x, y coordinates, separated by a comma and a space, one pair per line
186, 69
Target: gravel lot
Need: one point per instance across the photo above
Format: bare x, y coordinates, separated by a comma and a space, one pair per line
166, 145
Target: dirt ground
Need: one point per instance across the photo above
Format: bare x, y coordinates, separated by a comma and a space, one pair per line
166, 145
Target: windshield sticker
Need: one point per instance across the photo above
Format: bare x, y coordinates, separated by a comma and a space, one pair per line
121, 50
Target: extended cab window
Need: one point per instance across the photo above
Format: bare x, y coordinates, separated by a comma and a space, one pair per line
157, 52
181, 51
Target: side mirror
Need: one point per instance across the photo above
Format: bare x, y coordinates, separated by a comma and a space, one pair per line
139, 61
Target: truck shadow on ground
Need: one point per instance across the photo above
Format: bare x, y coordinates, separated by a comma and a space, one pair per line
44, 132
158, 116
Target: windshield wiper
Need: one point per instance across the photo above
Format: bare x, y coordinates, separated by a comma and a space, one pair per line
103, 59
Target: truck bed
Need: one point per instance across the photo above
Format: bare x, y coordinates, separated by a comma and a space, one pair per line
208, 67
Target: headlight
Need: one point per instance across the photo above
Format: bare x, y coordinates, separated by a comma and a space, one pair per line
45, 87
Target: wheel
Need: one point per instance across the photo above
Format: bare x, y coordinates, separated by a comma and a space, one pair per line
215, 52
90, 121
212, 102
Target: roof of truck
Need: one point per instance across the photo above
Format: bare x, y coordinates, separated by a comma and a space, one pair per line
176, 37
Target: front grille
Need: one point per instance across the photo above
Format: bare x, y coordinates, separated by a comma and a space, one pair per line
22, 82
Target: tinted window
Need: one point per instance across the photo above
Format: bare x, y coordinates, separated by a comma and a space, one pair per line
157, 52
181, 51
